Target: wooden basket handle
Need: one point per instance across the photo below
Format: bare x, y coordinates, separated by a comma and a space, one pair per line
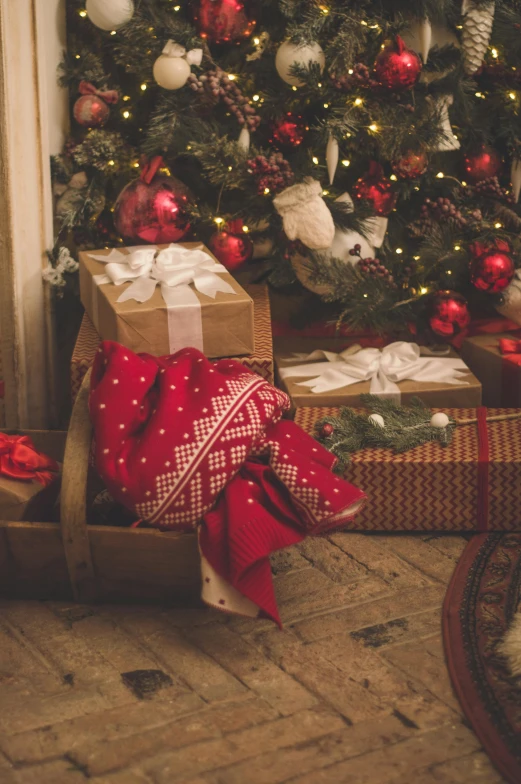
75, 534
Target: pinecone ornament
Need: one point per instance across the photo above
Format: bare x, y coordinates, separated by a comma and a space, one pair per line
477, 29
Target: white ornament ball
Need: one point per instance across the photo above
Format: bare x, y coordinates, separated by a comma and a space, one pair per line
440, 419
171, 72
289, 53
110, 14
377, 419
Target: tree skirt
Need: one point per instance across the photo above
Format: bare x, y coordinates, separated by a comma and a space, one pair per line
480, 606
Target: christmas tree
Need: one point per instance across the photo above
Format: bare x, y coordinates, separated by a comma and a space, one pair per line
347, 146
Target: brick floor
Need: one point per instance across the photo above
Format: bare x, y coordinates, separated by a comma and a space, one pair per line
354, 690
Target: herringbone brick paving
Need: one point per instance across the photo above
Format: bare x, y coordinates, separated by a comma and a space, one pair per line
353, 691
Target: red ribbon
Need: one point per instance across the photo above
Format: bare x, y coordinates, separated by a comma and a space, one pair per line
151, 168
109, 96
483, 470
20, 460
510, 375
509, 346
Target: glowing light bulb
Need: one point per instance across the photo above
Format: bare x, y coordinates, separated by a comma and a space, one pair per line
83, 14
440, 175
457, 247
358, 102
494, 53
112, 163
326, 106
399, 250
325, 193
232, 77
256, 41
366, 295
345, 162
113, 32
126, 97
294, 88
393, 177
266, 191
424, 290
256, 97
498, 225
245, 229
449, 272
416, 258
315, 160
78, 56
143, 87
512, 96
218, 221
126, 114
350, 71
373, 127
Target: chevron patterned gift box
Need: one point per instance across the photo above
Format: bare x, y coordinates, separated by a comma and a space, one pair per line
261, 361
474, 484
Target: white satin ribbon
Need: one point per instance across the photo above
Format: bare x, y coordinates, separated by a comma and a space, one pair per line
383, 368
193, 57
174, 269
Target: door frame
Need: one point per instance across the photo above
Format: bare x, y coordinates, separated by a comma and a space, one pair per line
33, 111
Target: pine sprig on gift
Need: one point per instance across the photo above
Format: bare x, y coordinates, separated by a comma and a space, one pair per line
405, 427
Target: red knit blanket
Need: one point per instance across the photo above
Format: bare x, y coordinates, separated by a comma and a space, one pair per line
185, 442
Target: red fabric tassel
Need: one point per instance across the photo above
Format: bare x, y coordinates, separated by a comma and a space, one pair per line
19, 459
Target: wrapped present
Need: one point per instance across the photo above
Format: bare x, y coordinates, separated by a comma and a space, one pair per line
473, 484
399, 371
260, 360
496, 361
159, 299
28, 480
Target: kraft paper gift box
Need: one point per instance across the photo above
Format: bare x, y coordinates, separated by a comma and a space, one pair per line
473, 484
260, 360
181, 296
499, 373
317, 379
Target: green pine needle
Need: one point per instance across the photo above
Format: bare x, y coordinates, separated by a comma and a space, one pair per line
406, 427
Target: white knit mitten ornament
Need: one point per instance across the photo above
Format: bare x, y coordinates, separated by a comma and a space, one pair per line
511, 300
515, 178
305, 215
477, 29
448, 141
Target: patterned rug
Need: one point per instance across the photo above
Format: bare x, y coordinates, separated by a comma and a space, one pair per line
480, 606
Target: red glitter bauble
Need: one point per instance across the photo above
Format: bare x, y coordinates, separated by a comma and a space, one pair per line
482, 164
412, 165
493, 272
448, 313
327, 430
375, 188
223, 21
91, 111
153, 213
397, 67
231, 248
288, 131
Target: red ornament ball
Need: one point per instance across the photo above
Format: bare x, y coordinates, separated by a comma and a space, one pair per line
154, 213
375, 188
482, 164
396, 67
412, 165
492, 272
91, 111
288, 131
448, 313
223, 21
231, 248
327, 430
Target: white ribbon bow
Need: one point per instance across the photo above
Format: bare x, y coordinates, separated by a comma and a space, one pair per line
383, 368
193, 57
174, 269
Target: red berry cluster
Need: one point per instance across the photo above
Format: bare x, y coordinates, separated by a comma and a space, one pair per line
440, 210
217, 85
274, 172
491, 187
372, 267
360, 77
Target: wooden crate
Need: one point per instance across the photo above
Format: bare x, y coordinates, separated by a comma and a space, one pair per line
70, 560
